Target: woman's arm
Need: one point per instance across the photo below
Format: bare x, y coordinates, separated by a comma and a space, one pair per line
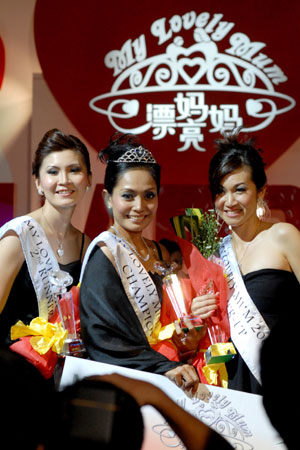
11, 260
287, 237
194, 433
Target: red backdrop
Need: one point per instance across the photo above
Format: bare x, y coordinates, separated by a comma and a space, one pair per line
208, 64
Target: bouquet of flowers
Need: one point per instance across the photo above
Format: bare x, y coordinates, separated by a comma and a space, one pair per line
203, 228
197, 236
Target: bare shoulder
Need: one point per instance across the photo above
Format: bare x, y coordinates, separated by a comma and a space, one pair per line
282, 231
11, 253
10, 242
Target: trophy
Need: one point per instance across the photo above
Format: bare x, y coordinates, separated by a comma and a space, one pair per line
174, 290
73, 345
219, 351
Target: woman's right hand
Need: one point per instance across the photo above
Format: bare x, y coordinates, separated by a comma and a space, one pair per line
205, 305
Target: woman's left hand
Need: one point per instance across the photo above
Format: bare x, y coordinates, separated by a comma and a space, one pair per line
188, 341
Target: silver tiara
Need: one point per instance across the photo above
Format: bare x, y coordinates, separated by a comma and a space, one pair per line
136, 155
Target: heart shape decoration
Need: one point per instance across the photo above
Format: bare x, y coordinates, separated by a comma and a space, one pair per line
207, 49
253, 106
191, 63
131, 107
72, 55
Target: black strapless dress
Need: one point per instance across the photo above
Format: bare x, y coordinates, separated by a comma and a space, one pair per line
272, 291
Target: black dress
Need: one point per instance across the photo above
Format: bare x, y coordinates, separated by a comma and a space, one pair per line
110, 329
22, 302
273, 291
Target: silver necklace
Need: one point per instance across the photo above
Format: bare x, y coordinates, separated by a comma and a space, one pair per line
132, 247
60, 251
239, 261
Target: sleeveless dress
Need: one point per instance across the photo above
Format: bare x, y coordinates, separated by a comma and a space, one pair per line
273, 291
22, 303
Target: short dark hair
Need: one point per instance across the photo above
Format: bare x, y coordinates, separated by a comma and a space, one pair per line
118, 145
98, 415
231, 155
55, 141
171, 246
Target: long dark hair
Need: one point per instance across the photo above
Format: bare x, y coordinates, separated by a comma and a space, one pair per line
232, 154
54, 141
119, 144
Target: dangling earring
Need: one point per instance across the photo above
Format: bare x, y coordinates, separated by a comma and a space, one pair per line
262, 209
40, 192
108, 209
87, 188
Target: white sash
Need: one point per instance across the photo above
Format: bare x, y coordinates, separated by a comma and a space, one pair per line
40, 260
247, 326
138, 284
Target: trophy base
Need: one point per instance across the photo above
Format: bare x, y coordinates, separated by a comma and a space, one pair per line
219, 353
73, 347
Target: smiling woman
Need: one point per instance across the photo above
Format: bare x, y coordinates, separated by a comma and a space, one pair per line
61, 169
120, 294
261, 258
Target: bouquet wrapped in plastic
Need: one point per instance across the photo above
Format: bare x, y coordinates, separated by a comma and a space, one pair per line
206, 275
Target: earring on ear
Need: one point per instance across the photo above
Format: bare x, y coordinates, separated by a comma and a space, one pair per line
262, 209
109, 209
40, 192
87, 188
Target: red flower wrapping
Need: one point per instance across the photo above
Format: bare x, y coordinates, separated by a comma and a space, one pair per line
201, 272
46, 363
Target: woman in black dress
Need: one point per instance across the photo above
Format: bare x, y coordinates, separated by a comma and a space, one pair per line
261, 258
120, 291
45, 239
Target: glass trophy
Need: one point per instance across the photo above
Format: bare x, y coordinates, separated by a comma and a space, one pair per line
175, 293
219, 351
73, 345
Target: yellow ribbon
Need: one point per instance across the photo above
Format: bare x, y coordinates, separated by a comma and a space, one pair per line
222, 351
211, 372
194, 212
191, 221
161, 333
45, 335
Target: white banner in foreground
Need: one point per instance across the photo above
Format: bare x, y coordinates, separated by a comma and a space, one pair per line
239, 417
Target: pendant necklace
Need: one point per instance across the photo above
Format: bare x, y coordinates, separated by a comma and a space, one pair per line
239, 261
132, 247
60, 251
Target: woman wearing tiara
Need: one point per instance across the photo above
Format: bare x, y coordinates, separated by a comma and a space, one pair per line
44, 240
120, 290
261, 258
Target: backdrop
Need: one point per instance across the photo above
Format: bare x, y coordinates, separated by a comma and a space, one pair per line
175, 75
